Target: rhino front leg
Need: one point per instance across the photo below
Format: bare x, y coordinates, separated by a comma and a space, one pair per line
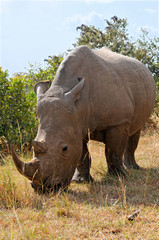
82, 172
115, 142
129, 156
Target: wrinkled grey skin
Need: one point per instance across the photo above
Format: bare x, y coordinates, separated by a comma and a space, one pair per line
105, 94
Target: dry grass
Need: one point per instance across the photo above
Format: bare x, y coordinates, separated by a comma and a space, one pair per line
86, 211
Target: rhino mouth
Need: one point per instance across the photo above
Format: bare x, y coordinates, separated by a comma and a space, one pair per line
47, 187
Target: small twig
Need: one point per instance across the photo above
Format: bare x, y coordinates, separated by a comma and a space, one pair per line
134, 215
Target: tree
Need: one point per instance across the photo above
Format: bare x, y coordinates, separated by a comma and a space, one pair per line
115, 36
147, 51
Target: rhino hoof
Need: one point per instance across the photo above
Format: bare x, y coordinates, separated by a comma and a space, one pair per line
122, 172
136, 166
81, 178
132, 166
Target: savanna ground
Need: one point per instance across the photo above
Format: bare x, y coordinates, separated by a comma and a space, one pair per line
86, 211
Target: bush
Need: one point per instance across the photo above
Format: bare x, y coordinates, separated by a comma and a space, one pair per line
18, 115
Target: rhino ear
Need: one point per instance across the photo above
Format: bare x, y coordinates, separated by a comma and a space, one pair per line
40, 88
75, 93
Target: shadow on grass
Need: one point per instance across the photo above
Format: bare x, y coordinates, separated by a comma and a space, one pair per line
141, 187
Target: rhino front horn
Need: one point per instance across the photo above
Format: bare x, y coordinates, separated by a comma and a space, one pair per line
31, 169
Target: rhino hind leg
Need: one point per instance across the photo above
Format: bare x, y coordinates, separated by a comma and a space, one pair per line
115, 142
129, 156
82, 172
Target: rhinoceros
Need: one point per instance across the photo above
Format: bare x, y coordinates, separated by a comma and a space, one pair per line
96, 94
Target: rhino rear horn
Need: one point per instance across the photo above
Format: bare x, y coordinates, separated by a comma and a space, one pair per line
40, 88
75, 92
39, 147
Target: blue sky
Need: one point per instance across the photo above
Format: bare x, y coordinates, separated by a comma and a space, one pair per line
32, 30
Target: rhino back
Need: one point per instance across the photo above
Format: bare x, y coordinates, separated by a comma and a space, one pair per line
123, 91
118, 89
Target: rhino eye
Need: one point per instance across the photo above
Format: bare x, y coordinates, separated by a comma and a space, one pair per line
64, 149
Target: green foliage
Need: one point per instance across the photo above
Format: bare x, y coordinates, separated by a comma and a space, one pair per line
17, 118
147, 51
115, 36
3, 88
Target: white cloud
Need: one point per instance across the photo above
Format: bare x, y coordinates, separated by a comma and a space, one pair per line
78, 18
150, 10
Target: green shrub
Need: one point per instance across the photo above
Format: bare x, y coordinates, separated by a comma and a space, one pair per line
17, 112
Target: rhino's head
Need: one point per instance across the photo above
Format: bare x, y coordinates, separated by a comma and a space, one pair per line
58, 144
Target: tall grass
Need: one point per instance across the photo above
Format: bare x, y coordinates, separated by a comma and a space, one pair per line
110, 208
